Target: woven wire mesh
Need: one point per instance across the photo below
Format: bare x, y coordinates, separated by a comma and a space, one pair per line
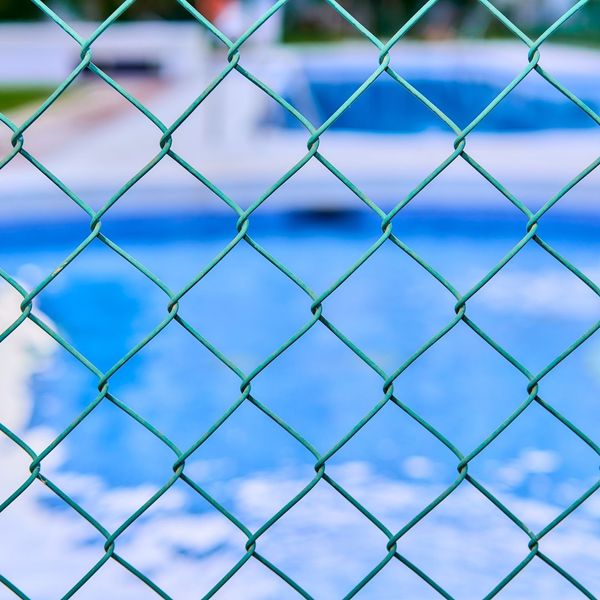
317, 318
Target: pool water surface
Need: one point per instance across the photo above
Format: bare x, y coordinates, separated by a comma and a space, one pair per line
247, 309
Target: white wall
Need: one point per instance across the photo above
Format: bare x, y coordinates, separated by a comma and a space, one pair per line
44, 53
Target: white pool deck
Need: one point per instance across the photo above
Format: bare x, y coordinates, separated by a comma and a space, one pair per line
94, 141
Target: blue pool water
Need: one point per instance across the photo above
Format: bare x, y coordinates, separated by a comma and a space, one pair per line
247, 308
387, 107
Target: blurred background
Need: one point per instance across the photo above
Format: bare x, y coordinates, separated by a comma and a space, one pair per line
534, 143
310, 20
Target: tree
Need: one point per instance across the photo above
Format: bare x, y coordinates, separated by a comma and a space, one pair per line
96, 10
18, 10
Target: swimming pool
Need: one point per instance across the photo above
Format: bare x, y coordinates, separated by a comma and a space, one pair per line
387, 107
459, 79
247, 308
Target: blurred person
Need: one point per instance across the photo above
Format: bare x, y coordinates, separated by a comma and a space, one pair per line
213, 9
233, 17
442, 23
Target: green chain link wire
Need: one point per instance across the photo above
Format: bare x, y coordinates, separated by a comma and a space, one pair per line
532, 222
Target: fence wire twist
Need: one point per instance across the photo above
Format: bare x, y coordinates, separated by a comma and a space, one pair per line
531, 222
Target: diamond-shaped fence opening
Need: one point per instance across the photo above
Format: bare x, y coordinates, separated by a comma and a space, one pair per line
186, 463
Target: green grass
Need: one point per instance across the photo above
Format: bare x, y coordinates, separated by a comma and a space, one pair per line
12, 97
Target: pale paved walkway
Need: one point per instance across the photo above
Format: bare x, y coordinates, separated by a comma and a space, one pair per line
95, 142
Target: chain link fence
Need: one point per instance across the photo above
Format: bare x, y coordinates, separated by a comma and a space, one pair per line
532, 234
